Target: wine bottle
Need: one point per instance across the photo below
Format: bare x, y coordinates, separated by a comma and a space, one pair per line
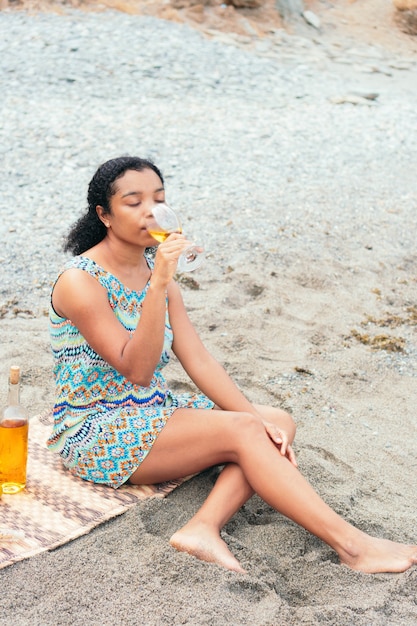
14, 430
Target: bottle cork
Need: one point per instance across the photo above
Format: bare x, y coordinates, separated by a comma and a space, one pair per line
14, 374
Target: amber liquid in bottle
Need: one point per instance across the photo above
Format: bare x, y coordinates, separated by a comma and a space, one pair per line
14, 429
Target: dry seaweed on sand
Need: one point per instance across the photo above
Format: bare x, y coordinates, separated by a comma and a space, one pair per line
380, 342
392, 320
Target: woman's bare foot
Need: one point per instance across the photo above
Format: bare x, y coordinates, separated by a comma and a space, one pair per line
372, 555
205, 543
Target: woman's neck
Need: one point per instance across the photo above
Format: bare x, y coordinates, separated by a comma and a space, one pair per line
127, 263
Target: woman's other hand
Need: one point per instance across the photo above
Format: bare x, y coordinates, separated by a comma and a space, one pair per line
280, 439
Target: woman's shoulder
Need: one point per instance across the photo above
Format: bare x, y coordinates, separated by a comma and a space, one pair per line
81, 262
103, 276
86, 264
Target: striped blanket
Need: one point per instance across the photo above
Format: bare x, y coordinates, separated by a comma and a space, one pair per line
56, 507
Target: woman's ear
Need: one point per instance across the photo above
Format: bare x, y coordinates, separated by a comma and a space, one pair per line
103, 216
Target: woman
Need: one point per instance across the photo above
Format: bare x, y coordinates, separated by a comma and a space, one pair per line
115, 315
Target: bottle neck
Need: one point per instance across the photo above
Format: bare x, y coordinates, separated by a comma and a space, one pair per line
13, 398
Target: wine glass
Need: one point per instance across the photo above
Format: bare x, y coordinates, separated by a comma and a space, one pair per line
165, 222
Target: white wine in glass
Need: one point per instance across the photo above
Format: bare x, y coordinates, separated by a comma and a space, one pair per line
167, 222
161, 235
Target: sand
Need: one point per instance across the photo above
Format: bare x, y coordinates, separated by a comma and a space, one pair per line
323, 323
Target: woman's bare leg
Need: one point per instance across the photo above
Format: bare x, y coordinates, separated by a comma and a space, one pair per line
193, 440
201, 535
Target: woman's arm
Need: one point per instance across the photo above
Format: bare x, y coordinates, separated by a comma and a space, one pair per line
210, 377
203, 369
80, 298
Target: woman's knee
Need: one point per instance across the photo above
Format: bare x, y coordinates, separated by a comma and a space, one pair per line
246, 426
289, 425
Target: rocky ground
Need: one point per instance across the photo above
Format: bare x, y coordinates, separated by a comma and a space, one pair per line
365, 21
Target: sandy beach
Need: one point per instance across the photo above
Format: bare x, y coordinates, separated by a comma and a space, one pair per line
305, 200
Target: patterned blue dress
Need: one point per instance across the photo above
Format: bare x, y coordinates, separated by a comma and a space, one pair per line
104, 425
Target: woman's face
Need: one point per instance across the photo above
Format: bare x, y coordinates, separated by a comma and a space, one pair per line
130, 206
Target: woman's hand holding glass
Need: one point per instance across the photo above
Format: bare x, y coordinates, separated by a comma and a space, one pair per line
165, 222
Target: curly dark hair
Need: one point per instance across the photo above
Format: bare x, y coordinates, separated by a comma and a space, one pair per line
89, 230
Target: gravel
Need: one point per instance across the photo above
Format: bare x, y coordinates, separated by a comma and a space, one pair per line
261, 141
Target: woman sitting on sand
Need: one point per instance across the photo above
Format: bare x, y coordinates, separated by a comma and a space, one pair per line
115, 315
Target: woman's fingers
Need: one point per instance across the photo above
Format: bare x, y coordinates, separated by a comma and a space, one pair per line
167, 255
173, 246
280, 438
291, 456
277, 435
